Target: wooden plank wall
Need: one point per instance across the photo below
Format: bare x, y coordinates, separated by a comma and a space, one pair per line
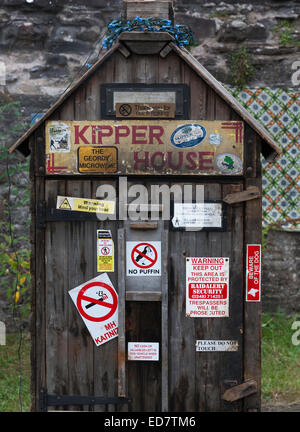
64, 357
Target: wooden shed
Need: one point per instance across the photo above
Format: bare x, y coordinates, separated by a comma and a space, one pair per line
157, 117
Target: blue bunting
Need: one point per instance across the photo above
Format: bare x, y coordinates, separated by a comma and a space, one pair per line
182, 34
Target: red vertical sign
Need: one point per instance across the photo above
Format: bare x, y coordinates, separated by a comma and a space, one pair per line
253, 273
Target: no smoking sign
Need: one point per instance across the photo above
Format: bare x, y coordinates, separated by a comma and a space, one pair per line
97, 303
143, 258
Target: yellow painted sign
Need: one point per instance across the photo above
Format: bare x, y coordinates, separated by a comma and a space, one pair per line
97, 159
85, 205
145, 147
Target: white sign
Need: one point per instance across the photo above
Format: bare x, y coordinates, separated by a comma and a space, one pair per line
97, 303
105, 251
197, 215
143, 351
143, 258
207, 287
217, 345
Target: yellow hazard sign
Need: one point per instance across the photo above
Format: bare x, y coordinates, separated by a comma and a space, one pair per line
105, 251
85, 205
65, 205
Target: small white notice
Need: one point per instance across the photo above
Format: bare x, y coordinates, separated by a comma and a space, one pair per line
143, 351
197, 215
217, 345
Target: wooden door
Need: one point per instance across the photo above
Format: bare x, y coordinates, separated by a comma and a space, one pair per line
73, 363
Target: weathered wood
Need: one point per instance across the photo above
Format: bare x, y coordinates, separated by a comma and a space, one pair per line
165, 51
240, 391
164, 324
124, 50
33, 340
252, 192
56, 298
80, 344
253, 310
38, 355
148, 43
121, 336
143, 295
143, 225
147, 8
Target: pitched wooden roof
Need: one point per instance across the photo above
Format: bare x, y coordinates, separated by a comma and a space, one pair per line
270, 149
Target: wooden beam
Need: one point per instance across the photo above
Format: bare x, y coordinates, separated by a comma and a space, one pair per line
240, 391
143, 225
143, 295
165, 51
124, 50
252, 192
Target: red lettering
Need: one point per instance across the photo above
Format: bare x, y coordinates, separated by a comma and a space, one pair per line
102, 134
189, 158
120, 134
157, 135
94, 130
79, 134
179, 163
163, 161
136, 135
205, 164
144, 161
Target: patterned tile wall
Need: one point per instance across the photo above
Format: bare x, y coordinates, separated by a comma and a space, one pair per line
278, 110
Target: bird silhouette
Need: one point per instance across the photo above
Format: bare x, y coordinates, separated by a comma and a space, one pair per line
146, 250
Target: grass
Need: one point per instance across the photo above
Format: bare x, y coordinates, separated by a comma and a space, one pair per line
280, 359
9, 374
280, 365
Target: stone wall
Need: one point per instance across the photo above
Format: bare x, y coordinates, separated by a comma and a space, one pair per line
281, 263
44, 43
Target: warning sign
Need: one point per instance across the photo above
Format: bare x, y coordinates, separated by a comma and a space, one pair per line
85, 205
97, 303
105, 251
207, 287
65, 205
143, 258
143, 351
253, 275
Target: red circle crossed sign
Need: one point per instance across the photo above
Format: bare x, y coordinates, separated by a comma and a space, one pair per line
111, 306
139, 250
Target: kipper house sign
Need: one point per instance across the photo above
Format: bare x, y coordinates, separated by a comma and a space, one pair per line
145, 147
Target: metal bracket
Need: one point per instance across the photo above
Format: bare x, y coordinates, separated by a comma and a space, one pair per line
47, 400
